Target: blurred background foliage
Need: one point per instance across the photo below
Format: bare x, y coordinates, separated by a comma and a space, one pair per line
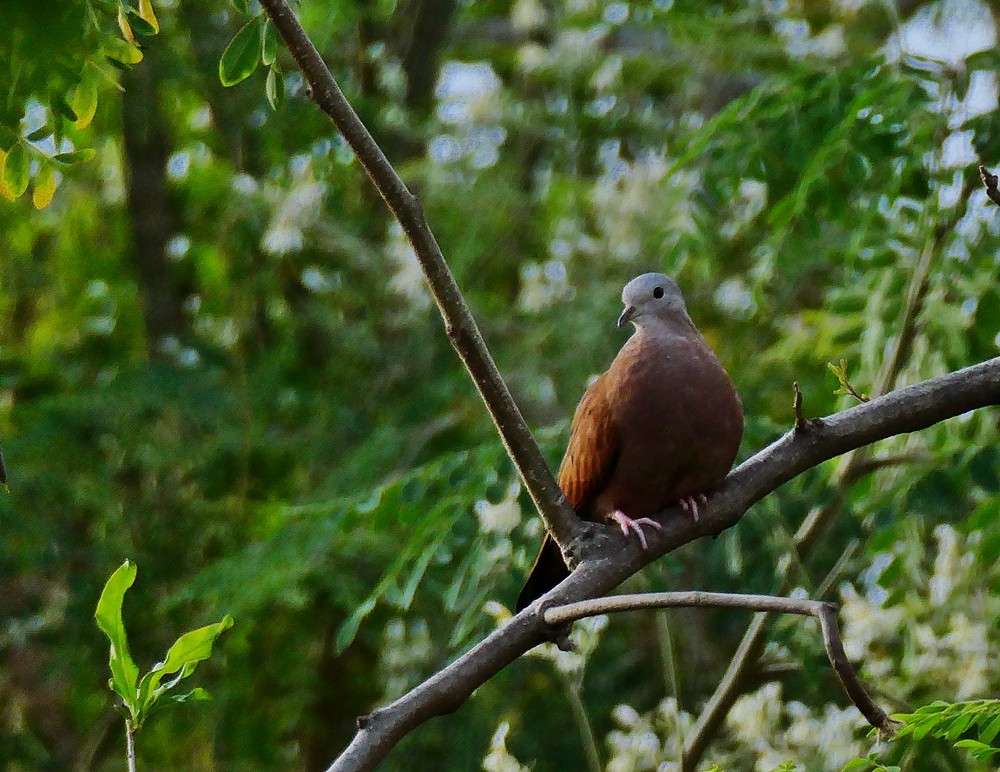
218, 360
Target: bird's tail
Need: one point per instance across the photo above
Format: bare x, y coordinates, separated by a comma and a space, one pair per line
548, 571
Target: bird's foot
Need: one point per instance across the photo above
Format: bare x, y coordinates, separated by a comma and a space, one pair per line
627, 524
690, 504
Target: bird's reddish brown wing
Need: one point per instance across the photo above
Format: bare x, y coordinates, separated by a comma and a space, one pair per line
585, 469
593, 448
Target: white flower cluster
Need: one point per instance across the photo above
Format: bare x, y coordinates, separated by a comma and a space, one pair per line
774, 732
499, 759
585, 637
406, 652
940, 639
636, 200
651, 742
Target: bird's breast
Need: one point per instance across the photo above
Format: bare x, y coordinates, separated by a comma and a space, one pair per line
680, 423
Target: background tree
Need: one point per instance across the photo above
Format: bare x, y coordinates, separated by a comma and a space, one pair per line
220, 361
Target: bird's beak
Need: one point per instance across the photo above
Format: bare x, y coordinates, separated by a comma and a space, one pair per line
626, 317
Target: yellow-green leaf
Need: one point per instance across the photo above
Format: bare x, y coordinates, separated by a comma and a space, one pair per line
124, 26
45, 187
5, 190
147, 15
16, 167
242, 55
121, 51
85, 102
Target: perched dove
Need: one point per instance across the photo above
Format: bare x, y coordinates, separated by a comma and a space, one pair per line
661, 426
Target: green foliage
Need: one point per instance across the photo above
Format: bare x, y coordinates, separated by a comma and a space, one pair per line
214, 324
139, 695
951, 721
49, 99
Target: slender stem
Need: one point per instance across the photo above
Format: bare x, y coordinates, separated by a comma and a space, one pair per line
459, 323
130, 744
582, 721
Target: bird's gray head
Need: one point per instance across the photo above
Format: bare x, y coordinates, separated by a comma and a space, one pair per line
652, 296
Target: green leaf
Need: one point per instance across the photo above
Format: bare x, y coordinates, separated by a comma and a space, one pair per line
195, 695
182, 658
274, 88
980, 751
38, 134
243, 6
268, 43
983, 60
16, 169
242, 55
109, 618
76, 156
139, 25
959, 725
61, 106
991, 731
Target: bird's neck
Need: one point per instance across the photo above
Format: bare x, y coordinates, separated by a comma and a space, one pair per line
674, 324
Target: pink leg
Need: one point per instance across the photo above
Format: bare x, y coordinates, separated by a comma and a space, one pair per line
690, 504
627, 524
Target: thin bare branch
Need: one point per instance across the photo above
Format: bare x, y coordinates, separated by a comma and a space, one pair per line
824, 612
613, 560
460, 325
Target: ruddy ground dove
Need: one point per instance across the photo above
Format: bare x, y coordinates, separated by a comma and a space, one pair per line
661, 426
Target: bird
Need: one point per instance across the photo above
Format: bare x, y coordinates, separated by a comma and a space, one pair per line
662, 426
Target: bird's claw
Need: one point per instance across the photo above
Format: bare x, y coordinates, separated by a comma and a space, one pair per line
690, 504
627, 524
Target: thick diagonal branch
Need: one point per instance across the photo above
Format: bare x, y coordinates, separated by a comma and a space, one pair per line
910, 409
825, 613
459, 323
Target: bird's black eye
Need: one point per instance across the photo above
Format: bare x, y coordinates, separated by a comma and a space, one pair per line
658, 292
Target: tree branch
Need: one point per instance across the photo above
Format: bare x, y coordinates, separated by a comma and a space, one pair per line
824, 612
459, 322
906, 410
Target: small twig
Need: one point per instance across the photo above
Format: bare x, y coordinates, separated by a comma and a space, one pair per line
990, 181
825, 613
868, 465
846, 387
800, 420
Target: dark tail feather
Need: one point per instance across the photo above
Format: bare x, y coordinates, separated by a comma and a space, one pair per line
548, 571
